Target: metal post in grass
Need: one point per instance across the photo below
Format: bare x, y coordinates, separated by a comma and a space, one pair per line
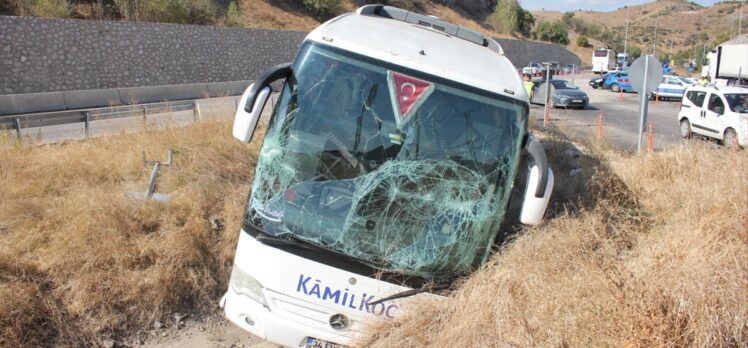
195, 111
87, 123
18, 126
145, 116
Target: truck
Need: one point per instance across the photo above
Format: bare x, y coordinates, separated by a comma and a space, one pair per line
728, 63
603, 60
387, 168
622, 60
533, 69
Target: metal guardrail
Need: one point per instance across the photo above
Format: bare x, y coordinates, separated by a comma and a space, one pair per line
18, 122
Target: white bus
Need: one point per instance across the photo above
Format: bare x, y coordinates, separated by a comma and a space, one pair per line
603, 60
387, 166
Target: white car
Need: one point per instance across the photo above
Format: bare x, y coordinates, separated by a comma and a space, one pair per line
671, 87
532, 69
715, 112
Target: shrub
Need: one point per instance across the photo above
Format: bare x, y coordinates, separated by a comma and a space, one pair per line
233, 17
582, 41
553, 32
509, 17
322, 7
51, 8
178, 11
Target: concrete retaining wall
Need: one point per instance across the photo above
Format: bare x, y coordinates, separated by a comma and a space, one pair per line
61, 64
50, 55
522, 53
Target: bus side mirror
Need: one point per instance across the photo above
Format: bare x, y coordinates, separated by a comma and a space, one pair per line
539, 185
253, 101
245, 122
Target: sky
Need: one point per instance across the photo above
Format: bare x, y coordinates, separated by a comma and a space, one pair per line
596, 5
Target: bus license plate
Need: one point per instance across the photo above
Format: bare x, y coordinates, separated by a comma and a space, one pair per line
316, 343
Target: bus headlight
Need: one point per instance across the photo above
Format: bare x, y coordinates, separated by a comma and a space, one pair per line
243, 284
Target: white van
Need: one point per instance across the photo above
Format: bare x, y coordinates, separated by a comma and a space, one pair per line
385, 172
715, 112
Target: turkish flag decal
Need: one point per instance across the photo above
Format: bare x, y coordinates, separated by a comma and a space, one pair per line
408, 93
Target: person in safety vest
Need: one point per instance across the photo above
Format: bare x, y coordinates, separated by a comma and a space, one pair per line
528, 85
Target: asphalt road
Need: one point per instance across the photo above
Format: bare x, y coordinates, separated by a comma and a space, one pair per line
620, 118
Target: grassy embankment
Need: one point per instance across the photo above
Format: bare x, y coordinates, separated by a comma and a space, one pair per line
640, 251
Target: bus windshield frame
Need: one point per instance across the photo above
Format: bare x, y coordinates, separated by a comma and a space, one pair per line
416, 187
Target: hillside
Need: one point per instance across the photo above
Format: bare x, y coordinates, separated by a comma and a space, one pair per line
680, 24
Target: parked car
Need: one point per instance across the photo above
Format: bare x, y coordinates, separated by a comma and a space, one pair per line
597, 81
690, 81
533, 69
670, 87
716, 112
618, 81
562, 95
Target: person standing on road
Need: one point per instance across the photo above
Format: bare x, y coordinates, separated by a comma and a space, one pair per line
528, 85
705, 80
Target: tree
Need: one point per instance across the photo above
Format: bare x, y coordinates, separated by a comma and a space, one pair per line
583, 42
525, 21
505, 18
567, 18
634, 52
553, 32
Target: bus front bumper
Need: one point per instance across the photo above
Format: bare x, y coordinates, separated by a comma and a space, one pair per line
263, 323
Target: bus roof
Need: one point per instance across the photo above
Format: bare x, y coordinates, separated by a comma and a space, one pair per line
425, 44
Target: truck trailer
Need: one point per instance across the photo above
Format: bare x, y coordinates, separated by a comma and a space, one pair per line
728, 63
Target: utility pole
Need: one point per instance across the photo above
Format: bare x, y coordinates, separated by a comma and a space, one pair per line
626, 40
654, 45
740, 20
670, 55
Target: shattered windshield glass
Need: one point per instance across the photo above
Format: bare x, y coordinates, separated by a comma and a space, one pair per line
403, 171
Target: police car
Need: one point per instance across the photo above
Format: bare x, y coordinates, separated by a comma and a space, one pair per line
671, 87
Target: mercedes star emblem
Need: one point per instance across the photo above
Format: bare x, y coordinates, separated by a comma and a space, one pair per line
339, 322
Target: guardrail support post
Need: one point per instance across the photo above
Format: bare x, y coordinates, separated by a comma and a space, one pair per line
88, 121
18, 127
195, 111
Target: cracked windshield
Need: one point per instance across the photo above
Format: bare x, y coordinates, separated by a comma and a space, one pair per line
404, 172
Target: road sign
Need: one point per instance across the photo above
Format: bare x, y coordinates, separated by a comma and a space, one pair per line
645, 68
645, 75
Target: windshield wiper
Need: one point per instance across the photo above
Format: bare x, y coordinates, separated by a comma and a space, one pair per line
272, 240
412, 292
291, 241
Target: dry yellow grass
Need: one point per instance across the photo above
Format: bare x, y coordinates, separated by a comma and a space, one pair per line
656, 255
79, 259
639, 251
